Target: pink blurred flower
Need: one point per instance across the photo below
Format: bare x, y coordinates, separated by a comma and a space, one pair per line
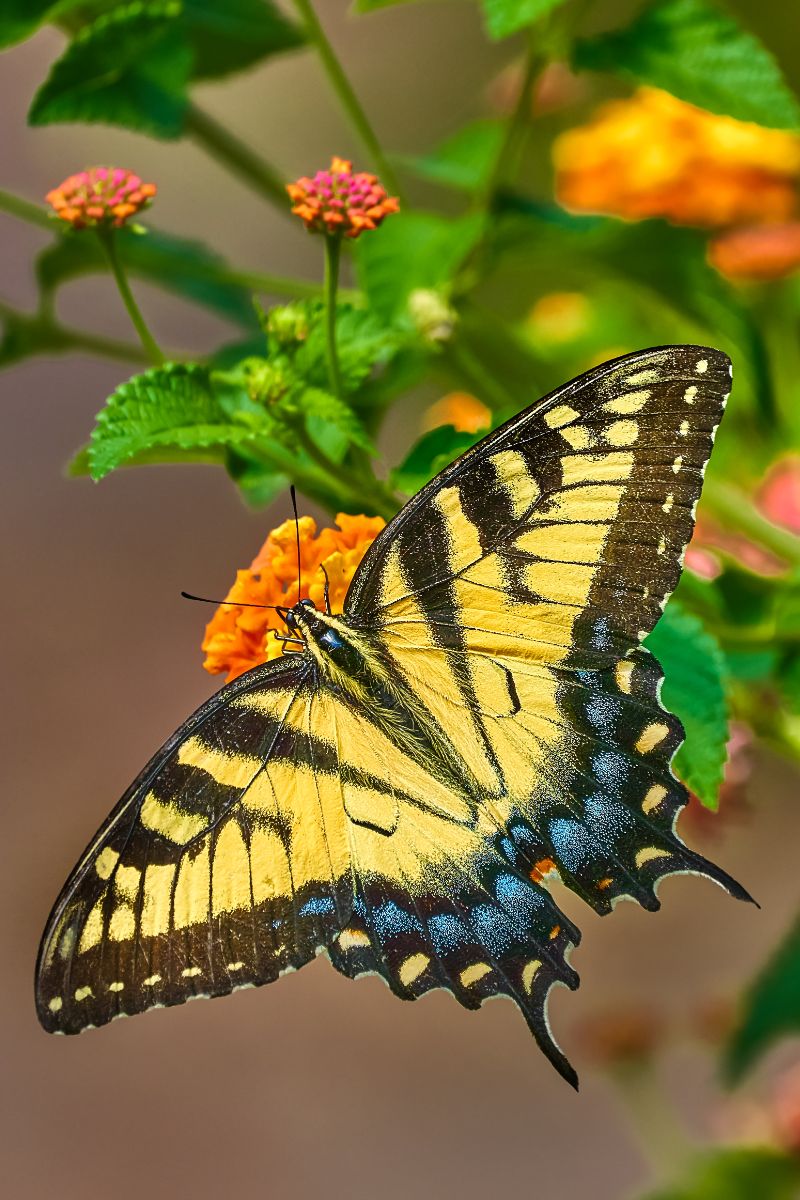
757, 252
100, 196
341, 201
779, 494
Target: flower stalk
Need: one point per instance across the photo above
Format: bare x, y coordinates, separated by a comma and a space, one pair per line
108, 242
235, 155
333, 250
347, 97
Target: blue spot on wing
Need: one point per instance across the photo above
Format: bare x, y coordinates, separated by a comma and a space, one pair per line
495, 930
611, 769
447, 933
390, 919
571, 842
317, 906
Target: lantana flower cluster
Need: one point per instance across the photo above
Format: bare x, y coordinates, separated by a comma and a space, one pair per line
341, 201
100, 196
239, 638
653, 155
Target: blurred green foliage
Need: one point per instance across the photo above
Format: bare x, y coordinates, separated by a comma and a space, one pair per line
455, 296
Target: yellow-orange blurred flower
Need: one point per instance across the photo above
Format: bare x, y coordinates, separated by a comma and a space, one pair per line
560, 316
464, 412
757, 251
652, 155
237, 638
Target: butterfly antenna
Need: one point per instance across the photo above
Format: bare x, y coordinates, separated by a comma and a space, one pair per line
293, 494
238, 603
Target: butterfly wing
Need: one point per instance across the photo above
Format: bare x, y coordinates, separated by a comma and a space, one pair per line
510, 599
226, 862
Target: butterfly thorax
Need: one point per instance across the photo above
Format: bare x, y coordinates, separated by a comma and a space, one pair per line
354, 665
336, 648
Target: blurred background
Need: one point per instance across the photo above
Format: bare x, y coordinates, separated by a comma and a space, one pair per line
320, 1086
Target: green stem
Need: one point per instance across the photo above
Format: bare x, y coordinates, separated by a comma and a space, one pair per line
360, 490
80, 339
507, 158
278, 285
348, 98
480, 382
333, 249
25, 211
661, 1138
237, 156
55, 338
108, 242
732, 508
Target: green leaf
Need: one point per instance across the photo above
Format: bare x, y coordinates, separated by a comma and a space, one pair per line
20, 18
129, 67
427, 457
464, 160
699, 54
413, 250
741, 1173
667, 266
790, 684
188, 268
504, 17
229, 35
694, 689
367, 6
328, 409
770, 1010
363, 342
172, 406
257, 483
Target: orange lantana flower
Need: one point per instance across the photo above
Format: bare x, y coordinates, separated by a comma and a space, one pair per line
100, 196
237, 638
652, 155
341, 201
464, 412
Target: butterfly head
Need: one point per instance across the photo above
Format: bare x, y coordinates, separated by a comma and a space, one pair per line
296, 618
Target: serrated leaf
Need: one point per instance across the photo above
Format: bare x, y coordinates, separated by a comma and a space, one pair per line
770, 1009
129, 67
188, 268
413, 250
325, 407
229, 35
257, 483
740, 1173
363, 342
694, 689
464, 160
170, 406
504, 17
701, 55
428, 456
20, 18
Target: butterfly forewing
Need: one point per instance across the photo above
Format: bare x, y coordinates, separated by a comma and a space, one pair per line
226, 863
511, 597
